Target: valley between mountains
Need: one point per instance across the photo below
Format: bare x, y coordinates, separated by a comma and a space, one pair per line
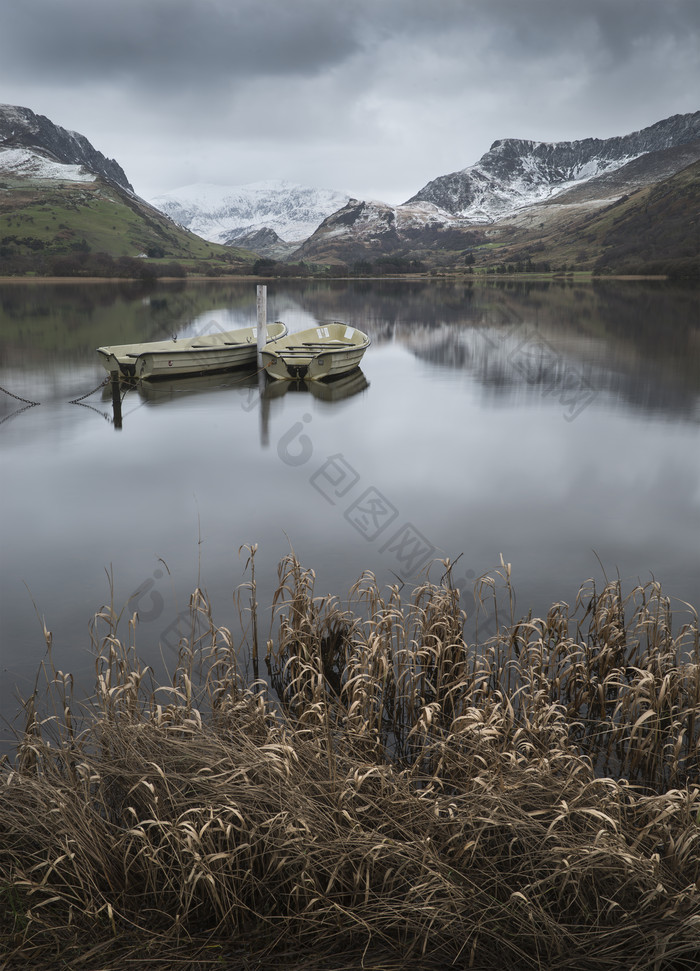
628, 204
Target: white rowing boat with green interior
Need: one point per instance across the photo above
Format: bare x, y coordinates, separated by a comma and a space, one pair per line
188, 355
324, 351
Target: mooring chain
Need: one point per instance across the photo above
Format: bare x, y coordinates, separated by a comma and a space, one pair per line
28, 403
75, 401
19, 397
14, 414
107, 418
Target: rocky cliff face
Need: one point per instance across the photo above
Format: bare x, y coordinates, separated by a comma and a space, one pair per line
21, 128
516, 172
264, 242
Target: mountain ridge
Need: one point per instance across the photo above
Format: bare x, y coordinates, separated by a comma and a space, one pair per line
66, 209
522, 198
498, 207
518, 181
21, 128
515, 173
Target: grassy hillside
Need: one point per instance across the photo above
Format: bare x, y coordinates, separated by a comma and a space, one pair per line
657, 230
46, 225
94, 229
653, 230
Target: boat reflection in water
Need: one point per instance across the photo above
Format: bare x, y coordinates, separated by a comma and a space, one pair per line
174, 389
246, 382
249, 386
335, 389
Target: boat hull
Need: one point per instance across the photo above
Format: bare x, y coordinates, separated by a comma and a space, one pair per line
317, 354
164, 364
194, 355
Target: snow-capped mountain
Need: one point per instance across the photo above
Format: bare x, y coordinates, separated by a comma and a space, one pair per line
521, 198
31, 145
515, 173
225, 214
516, 185
77, 210
372, 229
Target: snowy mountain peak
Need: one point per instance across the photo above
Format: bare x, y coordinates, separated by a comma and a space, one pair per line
517, 172
221, 213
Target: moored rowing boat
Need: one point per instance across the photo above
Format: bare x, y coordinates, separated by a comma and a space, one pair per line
188, 355
325, 351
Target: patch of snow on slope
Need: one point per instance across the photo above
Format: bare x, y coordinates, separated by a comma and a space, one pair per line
419, 215
29, 164
494, 199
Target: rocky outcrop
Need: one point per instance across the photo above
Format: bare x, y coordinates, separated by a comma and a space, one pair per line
370, 230
264, 242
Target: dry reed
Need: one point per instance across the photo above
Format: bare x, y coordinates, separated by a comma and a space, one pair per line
391, 797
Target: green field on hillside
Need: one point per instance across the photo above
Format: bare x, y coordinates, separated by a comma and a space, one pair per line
42, 222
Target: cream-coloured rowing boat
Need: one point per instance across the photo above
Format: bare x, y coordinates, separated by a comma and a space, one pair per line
324, 351
189, 355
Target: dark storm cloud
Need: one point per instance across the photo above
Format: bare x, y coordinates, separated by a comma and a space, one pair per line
617, 25
375, 97
174, 41
195, 41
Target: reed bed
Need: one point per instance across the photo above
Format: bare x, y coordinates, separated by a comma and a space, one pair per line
390, 796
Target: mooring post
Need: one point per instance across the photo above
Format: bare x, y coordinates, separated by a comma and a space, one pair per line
262, 377
116, 399
262, 321
264, 413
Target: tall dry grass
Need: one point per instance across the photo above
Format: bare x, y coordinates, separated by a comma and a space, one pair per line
390, 796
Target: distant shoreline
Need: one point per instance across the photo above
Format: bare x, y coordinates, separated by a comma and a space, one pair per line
585, 276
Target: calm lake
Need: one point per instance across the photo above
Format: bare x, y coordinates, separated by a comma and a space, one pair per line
554, 423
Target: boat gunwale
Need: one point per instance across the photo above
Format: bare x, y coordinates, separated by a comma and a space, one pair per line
187, 344
295, 351
193, 350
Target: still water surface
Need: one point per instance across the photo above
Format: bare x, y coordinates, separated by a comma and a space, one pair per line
556, 424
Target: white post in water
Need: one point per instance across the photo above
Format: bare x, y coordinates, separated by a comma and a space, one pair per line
262, 321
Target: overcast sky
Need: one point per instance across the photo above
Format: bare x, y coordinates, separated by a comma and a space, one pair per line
370, 97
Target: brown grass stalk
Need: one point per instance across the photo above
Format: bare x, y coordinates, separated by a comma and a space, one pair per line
393, 793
